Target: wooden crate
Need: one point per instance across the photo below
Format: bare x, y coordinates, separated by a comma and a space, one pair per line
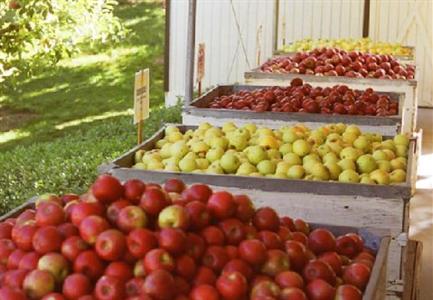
360, 205
407, 87
376, 239
198, 112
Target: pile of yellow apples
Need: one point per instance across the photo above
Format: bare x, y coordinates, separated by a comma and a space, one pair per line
334, 152
349, 44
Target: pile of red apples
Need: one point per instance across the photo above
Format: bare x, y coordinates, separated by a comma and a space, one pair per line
140, 241
302, 97
336, 62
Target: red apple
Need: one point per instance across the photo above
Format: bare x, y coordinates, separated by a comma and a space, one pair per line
321, 240
49, 213
245, 208
119, 269
159, 285
14, 278
213, 235
14, 259
47, 239
76, 285
11, 293
174, 185
195, 246
134, 189
6, 248
107, 189
356, 274
38, 283
319, 289
114, 209
233, 231
199, 192
134, 287
110, 245
173, 240
84, 209
140, 241
334, 261
277, 261
266, 218
73, 246
109, 288
198, 215
221, 205
215, 257
89, 264
265, 289
289, 279
158, 259
232, 285
204, 275
29, 261
253, 251
67, 230
27, 215
22, 236
319, 269
154, 201
91, 227
53, 296
204, 292
131, 217
270, 239
5, 230
239, 265
297, 254
186, 266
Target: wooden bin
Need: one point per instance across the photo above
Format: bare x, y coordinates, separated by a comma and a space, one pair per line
360, 205
198, 112
407, 87
376, 239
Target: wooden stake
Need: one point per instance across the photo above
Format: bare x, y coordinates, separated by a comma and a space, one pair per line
199, 88
140, 132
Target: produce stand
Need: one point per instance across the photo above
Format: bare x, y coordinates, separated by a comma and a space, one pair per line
376, 239
360, 205
198, 112
407, 87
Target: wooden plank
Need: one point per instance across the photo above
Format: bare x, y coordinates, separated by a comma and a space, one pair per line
412, 266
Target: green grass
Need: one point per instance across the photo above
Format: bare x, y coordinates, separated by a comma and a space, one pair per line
78, 115
91, 84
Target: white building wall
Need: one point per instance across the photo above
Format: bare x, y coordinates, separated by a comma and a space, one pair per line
406, 21
216, 26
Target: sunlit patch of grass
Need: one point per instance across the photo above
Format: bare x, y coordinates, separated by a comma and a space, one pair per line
13, 135
91, 119
43, 91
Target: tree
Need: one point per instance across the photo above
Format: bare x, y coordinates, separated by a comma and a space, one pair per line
35, 33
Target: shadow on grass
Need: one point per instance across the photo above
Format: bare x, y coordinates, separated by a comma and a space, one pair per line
94, 82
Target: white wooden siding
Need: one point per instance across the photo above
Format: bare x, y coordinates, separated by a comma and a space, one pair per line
406, 21
216, 27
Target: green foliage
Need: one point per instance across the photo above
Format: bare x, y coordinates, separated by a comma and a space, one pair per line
69, 163
35, 33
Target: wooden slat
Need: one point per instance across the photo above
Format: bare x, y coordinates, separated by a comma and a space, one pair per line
411, 274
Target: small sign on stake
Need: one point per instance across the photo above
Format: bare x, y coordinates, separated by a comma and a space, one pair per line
200, 65
141, 101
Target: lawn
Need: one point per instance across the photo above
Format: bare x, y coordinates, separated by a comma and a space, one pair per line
59, 125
